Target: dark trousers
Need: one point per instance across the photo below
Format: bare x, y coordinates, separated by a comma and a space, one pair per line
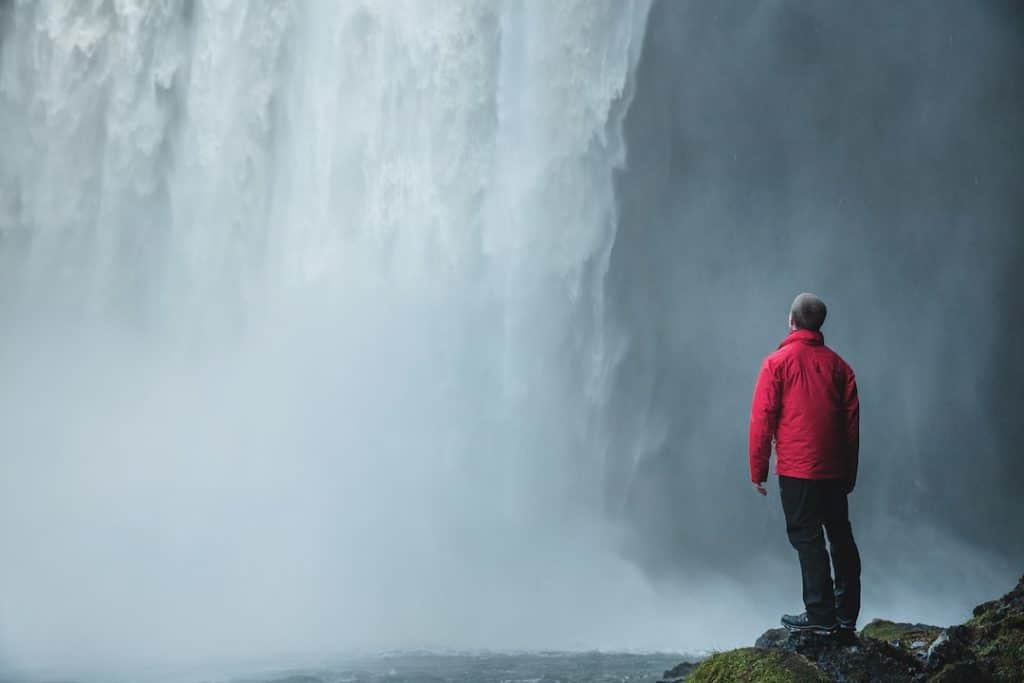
811, 505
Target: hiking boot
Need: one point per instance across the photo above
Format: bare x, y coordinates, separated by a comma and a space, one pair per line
846, 632
804, 624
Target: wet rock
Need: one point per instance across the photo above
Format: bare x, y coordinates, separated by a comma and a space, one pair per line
776, 637
914, 638
994, 636
988, 648
960, 672
950, 646
678, 673
845, 657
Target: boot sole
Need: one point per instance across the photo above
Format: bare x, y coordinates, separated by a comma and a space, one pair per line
818, 630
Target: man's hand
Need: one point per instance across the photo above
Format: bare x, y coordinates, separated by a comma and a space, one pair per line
759, 487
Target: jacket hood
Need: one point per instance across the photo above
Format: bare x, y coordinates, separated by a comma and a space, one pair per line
804, 336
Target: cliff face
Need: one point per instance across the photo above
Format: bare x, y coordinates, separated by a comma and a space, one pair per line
988, 647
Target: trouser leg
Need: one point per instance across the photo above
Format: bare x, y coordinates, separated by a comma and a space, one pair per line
845, 556
802, 503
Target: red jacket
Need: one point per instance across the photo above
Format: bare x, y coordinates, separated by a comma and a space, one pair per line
806, 399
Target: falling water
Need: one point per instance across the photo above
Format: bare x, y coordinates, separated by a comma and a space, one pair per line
305, 344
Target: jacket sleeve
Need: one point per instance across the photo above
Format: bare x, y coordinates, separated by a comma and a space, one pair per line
764, 417
851, 424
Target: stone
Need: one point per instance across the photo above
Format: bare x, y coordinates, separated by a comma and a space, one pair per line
988, 648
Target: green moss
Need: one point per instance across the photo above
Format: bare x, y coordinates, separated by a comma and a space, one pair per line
958, 672
756, 664
997, 633
983, 613
912, 637
1006, 654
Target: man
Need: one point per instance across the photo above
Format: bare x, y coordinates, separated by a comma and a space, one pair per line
806, 401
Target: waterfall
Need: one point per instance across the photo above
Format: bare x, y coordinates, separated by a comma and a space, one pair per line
178, 160
306, 342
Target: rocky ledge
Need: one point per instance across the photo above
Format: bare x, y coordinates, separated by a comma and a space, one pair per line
988, 647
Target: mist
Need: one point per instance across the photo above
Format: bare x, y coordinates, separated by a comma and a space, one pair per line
335, 328
304, 335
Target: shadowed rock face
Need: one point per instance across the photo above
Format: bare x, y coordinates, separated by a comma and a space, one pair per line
989, 647
869, 152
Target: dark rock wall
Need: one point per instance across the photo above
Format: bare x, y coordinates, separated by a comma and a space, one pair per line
873, 153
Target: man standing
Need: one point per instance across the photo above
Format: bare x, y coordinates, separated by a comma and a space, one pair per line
806, 401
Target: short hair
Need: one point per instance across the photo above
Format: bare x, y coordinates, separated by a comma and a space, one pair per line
808, 312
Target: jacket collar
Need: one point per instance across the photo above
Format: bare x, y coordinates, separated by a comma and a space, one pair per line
805, 337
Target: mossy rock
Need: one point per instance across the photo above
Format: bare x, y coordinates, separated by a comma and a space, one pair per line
996, 632
757, 664
679, 672
959, 672
988, 648
995, 612
1000, 649
914, 638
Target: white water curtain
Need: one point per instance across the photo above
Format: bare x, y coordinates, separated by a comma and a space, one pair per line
304, 341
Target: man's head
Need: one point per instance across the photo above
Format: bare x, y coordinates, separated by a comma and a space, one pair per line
807, 313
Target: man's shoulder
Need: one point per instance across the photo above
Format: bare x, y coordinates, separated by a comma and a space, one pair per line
839, 360
791, 351
777, 358
783, 352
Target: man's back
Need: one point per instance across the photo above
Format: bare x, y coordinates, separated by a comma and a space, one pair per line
806, 399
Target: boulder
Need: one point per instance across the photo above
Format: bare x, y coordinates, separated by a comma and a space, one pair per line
776, 637
849, 658
914, 638
989, 647
994, 636
679, 672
